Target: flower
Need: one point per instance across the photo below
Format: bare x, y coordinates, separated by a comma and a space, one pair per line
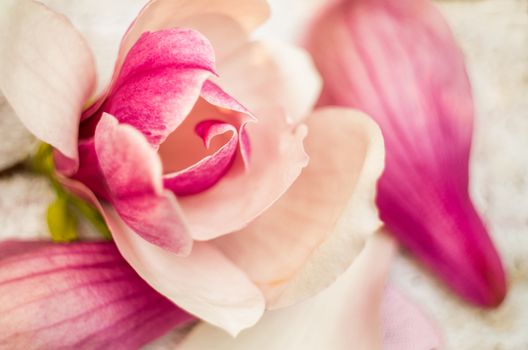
398, 62
223, 231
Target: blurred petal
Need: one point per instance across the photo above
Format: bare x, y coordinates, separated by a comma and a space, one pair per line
160, 81
402, 321
45, 80
205, 283
316, 229
133, 173
261, 75
345, 316
398, 62
80, 295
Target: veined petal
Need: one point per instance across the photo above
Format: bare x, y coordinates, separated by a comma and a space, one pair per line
345, 316
160, 81
45, 80
81, 295
399, 62
316, 229
205, 283
132, 171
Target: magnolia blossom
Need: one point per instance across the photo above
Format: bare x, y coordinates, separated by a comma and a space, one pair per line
397, 61
220, 190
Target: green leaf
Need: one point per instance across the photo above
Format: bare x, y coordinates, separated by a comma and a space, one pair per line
62, 223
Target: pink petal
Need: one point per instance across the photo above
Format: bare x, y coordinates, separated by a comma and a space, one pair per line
402, 321
266, 75
345, 316
316, 229
217, 20
196, 14
398, 62
80, 295
205, 283
209, 170
160, 81
132, 171
45, 80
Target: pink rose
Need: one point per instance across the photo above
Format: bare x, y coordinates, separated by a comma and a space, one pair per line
219, 188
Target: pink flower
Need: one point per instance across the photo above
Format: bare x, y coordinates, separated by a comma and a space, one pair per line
398, 62
223, 231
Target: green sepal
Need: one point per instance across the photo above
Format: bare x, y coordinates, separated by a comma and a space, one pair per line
62, 222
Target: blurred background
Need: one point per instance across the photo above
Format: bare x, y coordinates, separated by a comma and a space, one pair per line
494, 37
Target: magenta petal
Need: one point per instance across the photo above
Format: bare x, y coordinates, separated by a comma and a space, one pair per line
210, 169
132, 171
398, 62
160, 81
77, 296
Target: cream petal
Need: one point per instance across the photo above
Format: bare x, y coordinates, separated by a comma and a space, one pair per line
44, 79
205, 283
314, 231
344, 316
260, 74
197, 14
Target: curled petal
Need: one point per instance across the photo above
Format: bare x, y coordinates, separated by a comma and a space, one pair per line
45, 80
398, 62
210, 169
80, 295
132, 171
160, 81
316, 229
205, 283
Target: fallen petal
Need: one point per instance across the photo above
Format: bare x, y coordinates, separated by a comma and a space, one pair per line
398, 62
81, 295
